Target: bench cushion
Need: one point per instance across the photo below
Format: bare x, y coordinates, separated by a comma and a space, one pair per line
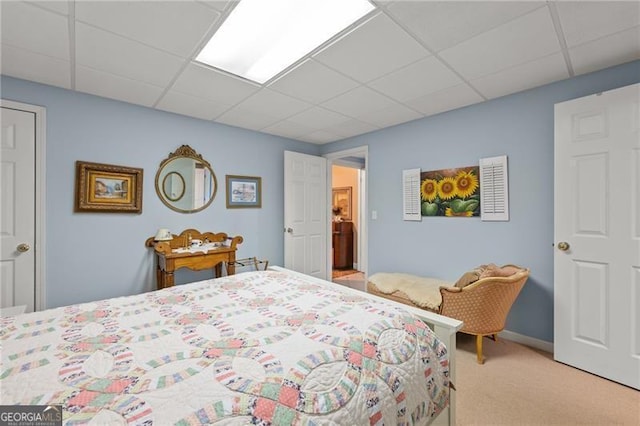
423, 292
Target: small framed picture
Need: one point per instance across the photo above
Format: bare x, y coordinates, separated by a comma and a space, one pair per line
108, 188
243, 191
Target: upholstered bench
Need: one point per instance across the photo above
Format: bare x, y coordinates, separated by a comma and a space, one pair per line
481, 298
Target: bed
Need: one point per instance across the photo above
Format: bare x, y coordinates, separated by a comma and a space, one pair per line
263, 347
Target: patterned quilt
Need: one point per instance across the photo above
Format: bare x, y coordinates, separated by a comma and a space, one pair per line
262, 347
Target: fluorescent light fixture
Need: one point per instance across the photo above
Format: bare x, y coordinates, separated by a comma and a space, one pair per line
260, 38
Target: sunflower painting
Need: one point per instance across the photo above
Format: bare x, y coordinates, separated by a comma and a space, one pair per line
451, 192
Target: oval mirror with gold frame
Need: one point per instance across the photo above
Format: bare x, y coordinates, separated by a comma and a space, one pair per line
185, 181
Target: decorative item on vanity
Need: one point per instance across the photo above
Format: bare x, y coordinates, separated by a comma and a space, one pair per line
193, 250
108, 188
163, 234
185, 181
243, 191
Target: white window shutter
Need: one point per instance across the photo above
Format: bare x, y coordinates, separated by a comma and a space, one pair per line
494, 189
411, 195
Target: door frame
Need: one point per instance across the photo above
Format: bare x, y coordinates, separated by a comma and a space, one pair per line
40, 196
363, 237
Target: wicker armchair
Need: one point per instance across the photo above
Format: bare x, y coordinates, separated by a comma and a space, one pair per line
484, 305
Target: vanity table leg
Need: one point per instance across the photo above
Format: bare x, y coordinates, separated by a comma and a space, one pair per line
218, 270
168, 279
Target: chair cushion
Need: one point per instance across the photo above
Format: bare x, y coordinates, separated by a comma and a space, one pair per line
492, 270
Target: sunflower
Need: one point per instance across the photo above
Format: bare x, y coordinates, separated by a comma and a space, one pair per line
451, 213
447, 188
429, 189
466, 184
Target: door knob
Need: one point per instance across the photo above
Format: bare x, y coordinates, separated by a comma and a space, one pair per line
23, 247
289, 230
564, 246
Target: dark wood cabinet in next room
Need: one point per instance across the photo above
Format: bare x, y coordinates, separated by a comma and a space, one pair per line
342, 245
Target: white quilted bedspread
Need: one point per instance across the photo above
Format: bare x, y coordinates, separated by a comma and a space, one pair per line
255, 348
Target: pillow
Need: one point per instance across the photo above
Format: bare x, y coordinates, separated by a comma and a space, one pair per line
467, 278
470, 277
494, 271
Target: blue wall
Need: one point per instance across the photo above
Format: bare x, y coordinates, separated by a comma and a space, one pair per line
91, 256
520, 126
95, 256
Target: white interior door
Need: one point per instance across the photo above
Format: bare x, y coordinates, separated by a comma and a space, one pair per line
305, 214
597, 234
17, 220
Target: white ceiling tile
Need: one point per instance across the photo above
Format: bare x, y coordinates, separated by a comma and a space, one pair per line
247, 119
586, 21
524, 39
204, 82
522, 77
352, 127
31, 66
389, 115
313, 82
274, 104
372, 50
61, 6
220, 5
358, 101
115, 87
445, 100
288, 129
149, 22
425, 76
35, 29
606, 52
318, 118
114, 54
443, 24
180, 103
320, 137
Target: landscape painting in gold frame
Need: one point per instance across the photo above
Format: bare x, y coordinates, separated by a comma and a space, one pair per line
108, 188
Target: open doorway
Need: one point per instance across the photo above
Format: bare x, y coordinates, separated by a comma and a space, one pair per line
347, 172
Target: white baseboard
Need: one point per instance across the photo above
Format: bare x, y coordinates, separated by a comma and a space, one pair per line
543, 345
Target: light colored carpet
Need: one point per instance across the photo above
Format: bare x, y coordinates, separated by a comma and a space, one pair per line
518, 385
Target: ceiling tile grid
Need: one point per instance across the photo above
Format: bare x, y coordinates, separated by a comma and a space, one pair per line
405, 61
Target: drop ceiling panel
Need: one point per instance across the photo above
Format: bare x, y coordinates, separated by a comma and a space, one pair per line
522, 77
586, 21
445, 100
117, 55
372, 50
53, 5
389, 115
37, 30
407, 59
148, 22
23, 64
420, 78
524, 39
180, 103
204, 82
274, 104
359, 101
115, 87
607, 51
443, 24
318, 118
313, 82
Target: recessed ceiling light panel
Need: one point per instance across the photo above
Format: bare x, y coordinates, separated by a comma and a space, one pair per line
261, 38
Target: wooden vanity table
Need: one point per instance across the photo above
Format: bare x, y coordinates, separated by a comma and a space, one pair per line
216, 249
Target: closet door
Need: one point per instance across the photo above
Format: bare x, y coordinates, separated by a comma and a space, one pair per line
597, 234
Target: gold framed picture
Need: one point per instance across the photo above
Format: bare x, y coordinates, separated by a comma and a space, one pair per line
108, 188
341, 204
